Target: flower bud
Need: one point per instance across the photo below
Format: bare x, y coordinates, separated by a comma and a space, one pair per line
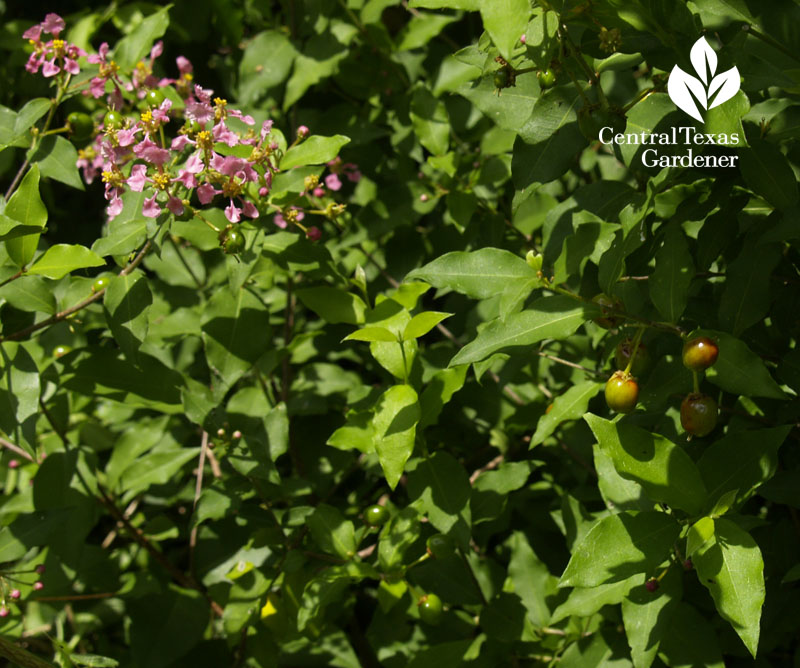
302, 132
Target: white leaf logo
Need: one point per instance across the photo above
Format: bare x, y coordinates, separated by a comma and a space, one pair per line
710, 91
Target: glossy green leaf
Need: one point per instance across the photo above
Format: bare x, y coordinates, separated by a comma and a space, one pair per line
126, 303
741, 461
440, 488
532, 580
135, 46
122, 238
397, 537
332, 532
430, 121
477, 274
509, 110
669, 283
731, 567
568, 406
421, 29
469, 5
505, 21
663, 469
334, 305
441, 388
690, 640
395, 421
548, 318
236, 332
61, 259
371, 334
619, 546
422, 323
585, 601
647, 616
29, 114
156, 468
358, 432
266, 62
589, 241
27, 208
57, 160
20, 391
30, 293
767, 171
739, 370
315, 150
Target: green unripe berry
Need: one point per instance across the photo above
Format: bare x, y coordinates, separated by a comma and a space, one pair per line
153, 98
699, 414
441, 546
100, 284
60, 351
232, 242
622, 392
80, 125
547, 78
376, 515
112, 119
430, 609
502, 78
700, 353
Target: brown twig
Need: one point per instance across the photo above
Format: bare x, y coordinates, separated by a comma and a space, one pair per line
559, 360
198, 489
490, 465
16, 449
129, 511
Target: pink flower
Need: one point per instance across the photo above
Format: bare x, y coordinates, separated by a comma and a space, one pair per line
50, 69
38, 585
137, 179
53, 24
249, 209
232, 212
333, 182
175, 205
279, 221
319, 191
222, 134
206, 192
186, 179
313, 233
114, 207
150, 152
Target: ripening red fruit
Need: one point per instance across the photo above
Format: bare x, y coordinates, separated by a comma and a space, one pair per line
700, 353
698, 414
622, 392
651, 585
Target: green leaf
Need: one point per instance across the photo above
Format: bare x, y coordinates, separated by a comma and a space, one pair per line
57, 159
767, 171
439, 390
123, 238
509, 110
357, 432
478, 274
585, 601
439, 487
699, 534
569, 406
397, 537
491, 489
31, 112
690, 640
730, 566
61, 259
371, 334
156, 468
126, 304
334, 305
20, 390
27, 208
648, 615
747, 296
135, 46
236, 332
727, 118
741, 461
160, 640
332, 532
31, 294
669, 283
469, 5
505, 21
739, 370
422, 323
421, 29
663, 469
430, 121
28, 530
395, 421
532, 580
548, 318
315, 150
620, 546
266, 62
589, 241
618, 493
11, 229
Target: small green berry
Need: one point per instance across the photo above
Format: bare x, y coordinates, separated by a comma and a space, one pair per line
154, 98
113, 120
376, 515
430, 609
100, 284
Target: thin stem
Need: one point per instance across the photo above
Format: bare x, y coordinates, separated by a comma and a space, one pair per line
405, 364
696, 382
16, 449
11, 278
198, 489
636, 341
570, 364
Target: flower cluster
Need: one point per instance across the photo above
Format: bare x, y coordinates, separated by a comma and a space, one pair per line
55, 55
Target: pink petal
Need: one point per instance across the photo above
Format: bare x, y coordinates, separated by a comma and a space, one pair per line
50, 69
249, 209
150, 208
206, 192
53, 24
137, 178
114, 208
232, 213
157, 50
333, 182
184, 65
71, 66
34, 33
280, 221
195, 164
180, 142
175, 205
